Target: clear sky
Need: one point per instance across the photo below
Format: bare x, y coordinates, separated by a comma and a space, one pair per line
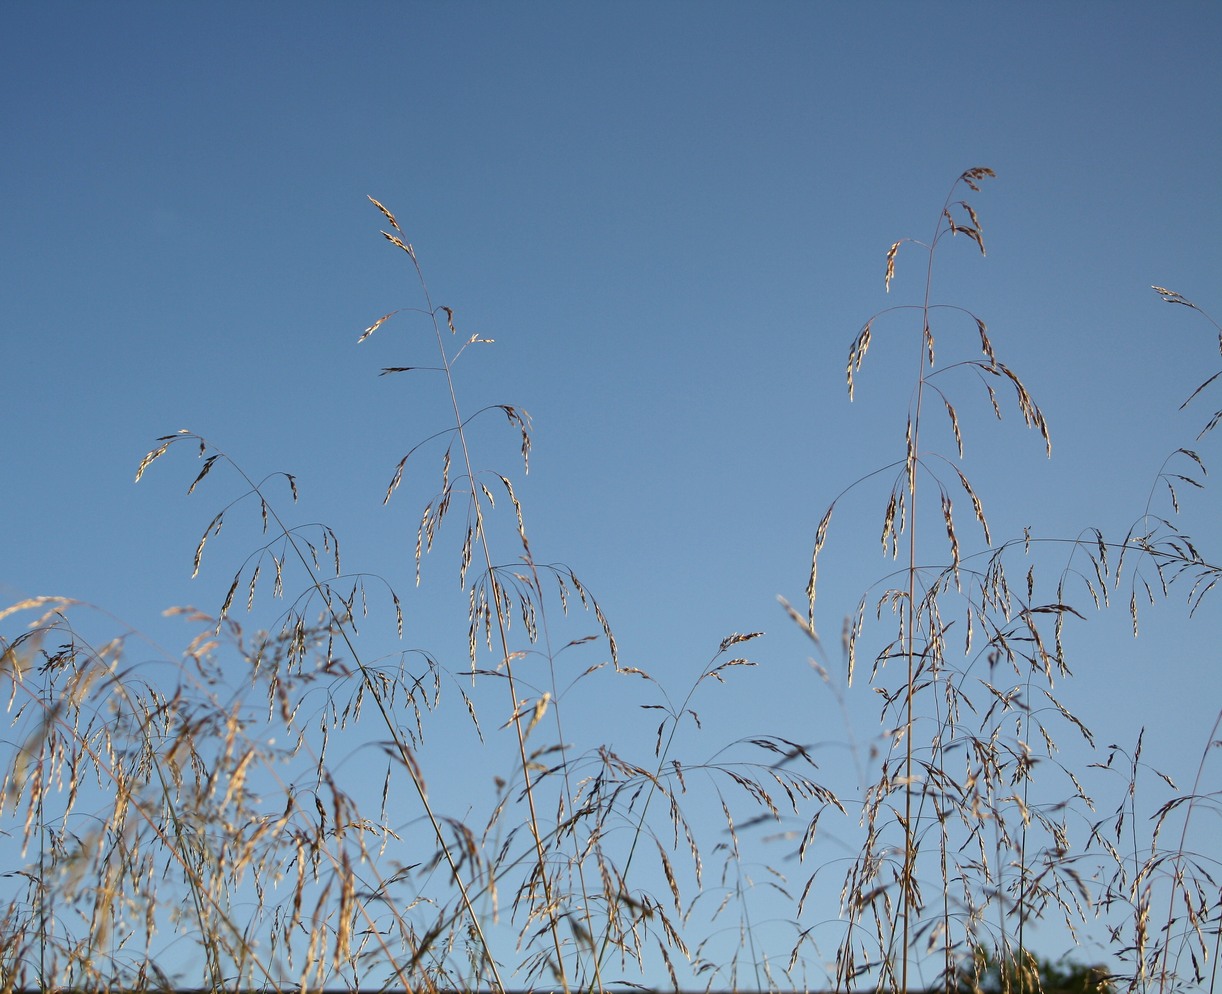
673, 221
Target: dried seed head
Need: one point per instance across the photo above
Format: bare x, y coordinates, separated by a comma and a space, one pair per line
389, 216
891, 265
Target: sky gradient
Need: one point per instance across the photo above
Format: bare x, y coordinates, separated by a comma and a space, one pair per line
673, 220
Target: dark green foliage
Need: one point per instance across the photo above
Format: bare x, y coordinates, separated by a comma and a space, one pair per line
1038, 976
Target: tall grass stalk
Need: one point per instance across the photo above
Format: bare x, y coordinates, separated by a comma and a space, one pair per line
927, 808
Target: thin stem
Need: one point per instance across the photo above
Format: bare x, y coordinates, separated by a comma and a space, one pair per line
913, 443
545, 629
503, 638
1194, 794
42, 869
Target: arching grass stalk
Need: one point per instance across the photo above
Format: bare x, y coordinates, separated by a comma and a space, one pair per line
477, 531
1182, 884
338, 624
920, 641
596, 981
711, 671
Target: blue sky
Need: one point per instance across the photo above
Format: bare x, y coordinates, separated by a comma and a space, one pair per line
673, 220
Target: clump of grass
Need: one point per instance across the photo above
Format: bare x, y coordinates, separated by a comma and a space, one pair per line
198, 808
206, 799
963, 848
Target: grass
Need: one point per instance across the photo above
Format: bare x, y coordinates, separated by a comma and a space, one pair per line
169, 811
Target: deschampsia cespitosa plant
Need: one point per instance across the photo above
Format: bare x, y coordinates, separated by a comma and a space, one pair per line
193, 819
963, 848
201, 811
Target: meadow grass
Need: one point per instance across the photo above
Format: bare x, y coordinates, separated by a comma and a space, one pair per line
187, 820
